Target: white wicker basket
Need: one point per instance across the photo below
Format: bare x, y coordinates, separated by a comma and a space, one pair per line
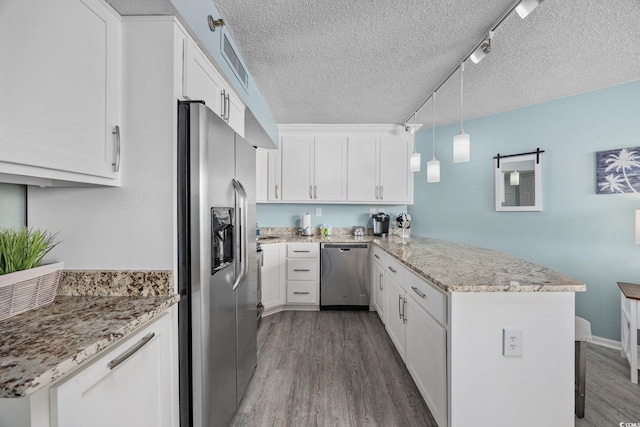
28, 289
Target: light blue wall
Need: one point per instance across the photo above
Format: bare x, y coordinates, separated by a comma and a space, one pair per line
290, 215
13, 205
195, 13
579, 233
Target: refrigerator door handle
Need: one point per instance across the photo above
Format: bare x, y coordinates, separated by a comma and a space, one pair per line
241, 201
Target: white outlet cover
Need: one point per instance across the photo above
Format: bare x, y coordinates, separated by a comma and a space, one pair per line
318, 211
512, 342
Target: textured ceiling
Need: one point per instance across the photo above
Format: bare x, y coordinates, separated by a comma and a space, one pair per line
375, 61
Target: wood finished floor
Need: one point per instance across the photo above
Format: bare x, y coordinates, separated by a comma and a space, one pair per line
329, 368
339, 368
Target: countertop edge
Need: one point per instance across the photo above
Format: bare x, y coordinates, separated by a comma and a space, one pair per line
70, 364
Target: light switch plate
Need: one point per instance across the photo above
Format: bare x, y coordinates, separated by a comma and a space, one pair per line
318, 211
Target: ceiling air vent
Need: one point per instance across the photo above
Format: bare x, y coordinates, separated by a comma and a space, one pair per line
233, 60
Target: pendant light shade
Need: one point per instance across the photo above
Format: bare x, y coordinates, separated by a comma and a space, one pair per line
462, 141
461, 147
433, 170
433, 165
414, 162
514, 178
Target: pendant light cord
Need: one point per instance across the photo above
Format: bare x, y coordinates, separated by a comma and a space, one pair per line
461, 96
433, 125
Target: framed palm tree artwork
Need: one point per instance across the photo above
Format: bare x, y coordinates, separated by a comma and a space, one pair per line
618, 171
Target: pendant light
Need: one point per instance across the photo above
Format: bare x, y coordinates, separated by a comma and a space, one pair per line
414, 160
462, 141
433, 165
514, 177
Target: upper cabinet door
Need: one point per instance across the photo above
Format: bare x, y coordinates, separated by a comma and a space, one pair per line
262, 173
274, 191
201, 81
396, 180
60, 86
297, 168
330, 165
362, 169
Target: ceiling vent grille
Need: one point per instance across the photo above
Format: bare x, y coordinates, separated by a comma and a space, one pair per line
233, 60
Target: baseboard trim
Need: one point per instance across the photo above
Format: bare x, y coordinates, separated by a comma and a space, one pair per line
606, 342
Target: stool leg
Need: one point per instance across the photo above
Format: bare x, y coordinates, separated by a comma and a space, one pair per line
633, 342
581, 376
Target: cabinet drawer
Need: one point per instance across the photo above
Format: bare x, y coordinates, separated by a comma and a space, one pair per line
302, 292
428, 296
303, 250
378, 255
394, 268
302, 269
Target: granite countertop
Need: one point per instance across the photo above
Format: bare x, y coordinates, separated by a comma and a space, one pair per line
42, 345
456, 267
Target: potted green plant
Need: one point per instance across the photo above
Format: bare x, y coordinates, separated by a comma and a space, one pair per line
24, 283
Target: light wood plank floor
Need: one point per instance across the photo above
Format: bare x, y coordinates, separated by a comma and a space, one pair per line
329, 368
339, 368
611, 398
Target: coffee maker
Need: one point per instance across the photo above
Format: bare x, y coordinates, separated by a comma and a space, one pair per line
380, 224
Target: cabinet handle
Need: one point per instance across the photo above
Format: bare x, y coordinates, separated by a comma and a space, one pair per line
127, 354
381, 278
381, 188
301, 269
306, 252
228, 107
376, 255
276, 191
393, 270
399, 306
116, 161
404, 310
301, 293
422, 295
311, 191
315, 191
376, 192
223, 104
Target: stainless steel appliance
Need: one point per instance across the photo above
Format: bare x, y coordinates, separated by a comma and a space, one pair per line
380, 224
217, 270
343, 276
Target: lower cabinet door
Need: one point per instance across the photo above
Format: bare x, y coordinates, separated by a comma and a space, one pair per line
426, 344
135, 392
378, 291
395, 324
273, 275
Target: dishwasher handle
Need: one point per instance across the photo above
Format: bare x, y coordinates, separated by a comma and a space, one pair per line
344, 245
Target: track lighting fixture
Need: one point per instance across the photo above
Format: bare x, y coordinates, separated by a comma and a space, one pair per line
482, 50
526, 7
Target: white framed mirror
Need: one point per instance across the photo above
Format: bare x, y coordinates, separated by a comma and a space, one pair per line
519, 182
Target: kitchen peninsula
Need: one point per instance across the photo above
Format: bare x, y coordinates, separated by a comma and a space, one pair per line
447, 306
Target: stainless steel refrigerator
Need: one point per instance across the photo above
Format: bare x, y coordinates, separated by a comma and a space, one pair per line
217, 273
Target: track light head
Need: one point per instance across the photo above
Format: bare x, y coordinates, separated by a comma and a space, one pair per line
526, 7
482, 50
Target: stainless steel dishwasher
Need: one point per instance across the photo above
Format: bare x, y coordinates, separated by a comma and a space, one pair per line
343, 284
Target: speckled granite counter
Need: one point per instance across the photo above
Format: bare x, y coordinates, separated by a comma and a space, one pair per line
40, 346
456, 267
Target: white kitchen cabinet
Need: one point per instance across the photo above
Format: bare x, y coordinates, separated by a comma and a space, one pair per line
268, 175
314, 168
426, 358
203, 82
303, 277
273, 276
395, 303
61, 91
378, 169
378, 291
129, 385
262, 174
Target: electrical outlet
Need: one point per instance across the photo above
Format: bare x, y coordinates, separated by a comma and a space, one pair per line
318, 211
372, 211
512, 342
381, 210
